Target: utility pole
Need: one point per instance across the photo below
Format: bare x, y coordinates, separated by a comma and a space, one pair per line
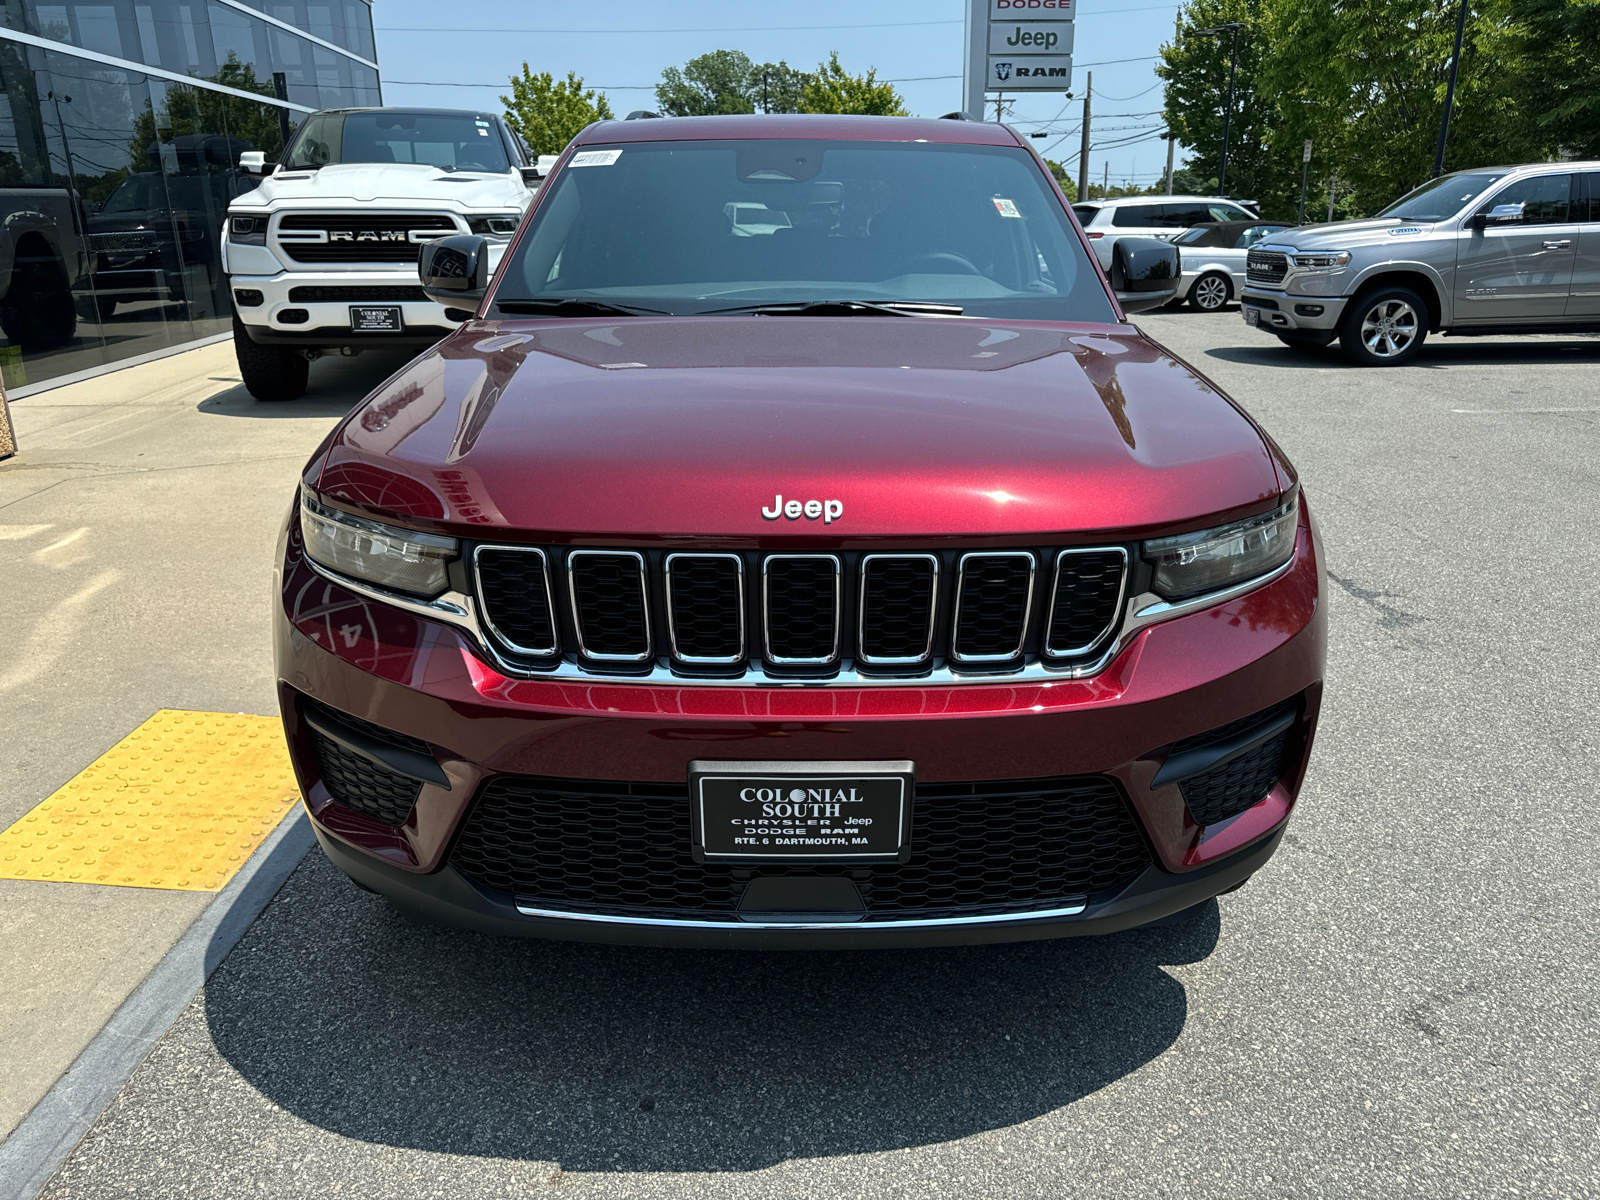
765, 106
1083, 153
1170, 143
1450, 92
1227, 113
1333, 190
1305, 175
1105, 184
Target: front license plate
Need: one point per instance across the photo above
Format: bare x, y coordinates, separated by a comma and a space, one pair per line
812, 811
1252, 316
376, 320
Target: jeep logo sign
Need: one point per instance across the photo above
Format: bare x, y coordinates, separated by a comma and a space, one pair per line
828, 510
1019, 46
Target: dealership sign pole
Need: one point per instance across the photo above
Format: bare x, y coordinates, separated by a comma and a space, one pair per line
1016, 46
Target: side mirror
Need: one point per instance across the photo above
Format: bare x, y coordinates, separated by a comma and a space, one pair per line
455, 271
1144, 273
1505, 214
531, 176
253, 162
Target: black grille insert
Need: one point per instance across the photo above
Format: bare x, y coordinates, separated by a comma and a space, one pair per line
514, 589
705, 597
975, 848
384, 237
357, 782
609, 604
1266, 266
802, 608
1088, 589
897, 602
335, 294
994, 595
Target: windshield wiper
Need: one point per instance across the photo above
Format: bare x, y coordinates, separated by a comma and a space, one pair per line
841, 308
574, 306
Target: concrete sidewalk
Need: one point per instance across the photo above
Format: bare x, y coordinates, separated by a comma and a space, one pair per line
137, 525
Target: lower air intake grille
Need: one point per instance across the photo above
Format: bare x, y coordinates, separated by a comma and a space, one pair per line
359, 783
706, 597
608, 602
514, 589
335, 294
992, 606
975, 848
802, 602
1228, 789
1087, 590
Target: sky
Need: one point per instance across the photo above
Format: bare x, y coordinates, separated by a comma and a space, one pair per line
621, 48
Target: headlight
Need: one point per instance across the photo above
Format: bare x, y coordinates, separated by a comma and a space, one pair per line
1193, 563
503, 226
250, 230
375, 552
1323, 261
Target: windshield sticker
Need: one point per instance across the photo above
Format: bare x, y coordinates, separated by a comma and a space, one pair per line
595, 158
1007, 208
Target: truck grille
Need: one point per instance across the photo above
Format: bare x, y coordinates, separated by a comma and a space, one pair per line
336, 295
805, 614
1266, 266
976, 848
363, 238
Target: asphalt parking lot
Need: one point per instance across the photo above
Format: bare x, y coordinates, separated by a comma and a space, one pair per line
1403, 1003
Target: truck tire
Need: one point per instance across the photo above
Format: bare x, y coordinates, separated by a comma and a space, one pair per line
270, 373
1384, 327
39, 313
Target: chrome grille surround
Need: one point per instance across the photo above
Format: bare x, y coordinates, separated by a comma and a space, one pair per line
575, 559
861, 610
1027, 609
766, 609
672, 620
1055, 587
549, 598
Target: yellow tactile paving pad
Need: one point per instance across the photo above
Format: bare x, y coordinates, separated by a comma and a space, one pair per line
179, 803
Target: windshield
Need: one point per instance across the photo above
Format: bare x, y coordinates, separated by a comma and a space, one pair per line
451, 141
686, 227
1441, 198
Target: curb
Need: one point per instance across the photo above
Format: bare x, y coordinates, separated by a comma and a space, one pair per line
55, 1126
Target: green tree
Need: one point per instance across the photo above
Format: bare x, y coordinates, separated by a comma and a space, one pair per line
710, 85
1196, 73
834, 90
1365, 81
549, 113
1555, 52
777, 87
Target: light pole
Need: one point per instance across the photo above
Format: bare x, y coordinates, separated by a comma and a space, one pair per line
1232, 27
1450, 92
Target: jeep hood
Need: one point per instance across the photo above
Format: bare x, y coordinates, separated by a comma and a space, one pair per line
404, 185
682, 427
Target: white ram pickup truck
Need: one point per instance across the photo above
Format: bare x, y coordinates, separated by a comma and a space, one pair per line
322, 255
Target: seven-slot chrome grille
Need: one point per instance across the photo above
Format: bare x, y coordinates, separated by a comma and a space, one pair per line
799, 614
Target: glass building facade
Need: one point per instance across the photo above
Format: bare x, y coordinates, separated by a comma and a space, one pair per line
121, 126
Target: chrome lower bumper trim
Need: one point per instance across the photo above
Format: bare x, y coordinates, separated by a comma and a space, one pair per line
731, 922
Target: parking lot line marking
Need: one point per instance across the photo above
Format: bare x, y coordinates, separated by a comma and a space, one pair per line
1528, 411
178, 804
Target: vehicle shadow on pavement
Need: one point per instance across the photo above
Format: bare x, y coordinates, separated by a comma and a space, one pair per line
603, 1058
336, 386
1453, 352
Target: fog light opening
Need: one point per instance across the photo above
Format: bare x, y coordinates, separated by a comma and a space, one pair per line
247, 297
1308, 310
293, 316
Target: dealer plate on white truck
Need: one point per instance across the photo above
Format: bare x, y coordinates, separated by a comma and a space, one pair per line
376, 320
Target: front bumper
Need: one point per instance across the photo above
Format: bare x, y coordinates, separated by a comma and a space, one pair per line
1285, 312
327, 323
424, 679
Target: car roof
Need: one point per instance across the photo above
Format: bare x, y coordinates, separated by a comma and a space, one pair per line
1163, 200
799, 125
410, 110
1222, 234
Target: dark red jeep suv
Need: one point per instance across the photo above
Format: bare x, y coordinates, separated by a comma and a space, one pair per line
797, 547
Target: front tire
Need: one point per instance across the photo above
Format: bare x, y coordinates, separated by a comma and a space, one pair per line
270, 373
1384, 328
1210, 292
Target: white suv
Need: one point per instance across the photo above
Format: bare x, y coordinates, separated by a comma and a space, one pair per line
1105, 221
322, 256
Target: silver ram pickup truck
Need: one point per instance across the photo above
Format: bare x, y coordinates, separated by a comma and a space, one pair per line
1497, 250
